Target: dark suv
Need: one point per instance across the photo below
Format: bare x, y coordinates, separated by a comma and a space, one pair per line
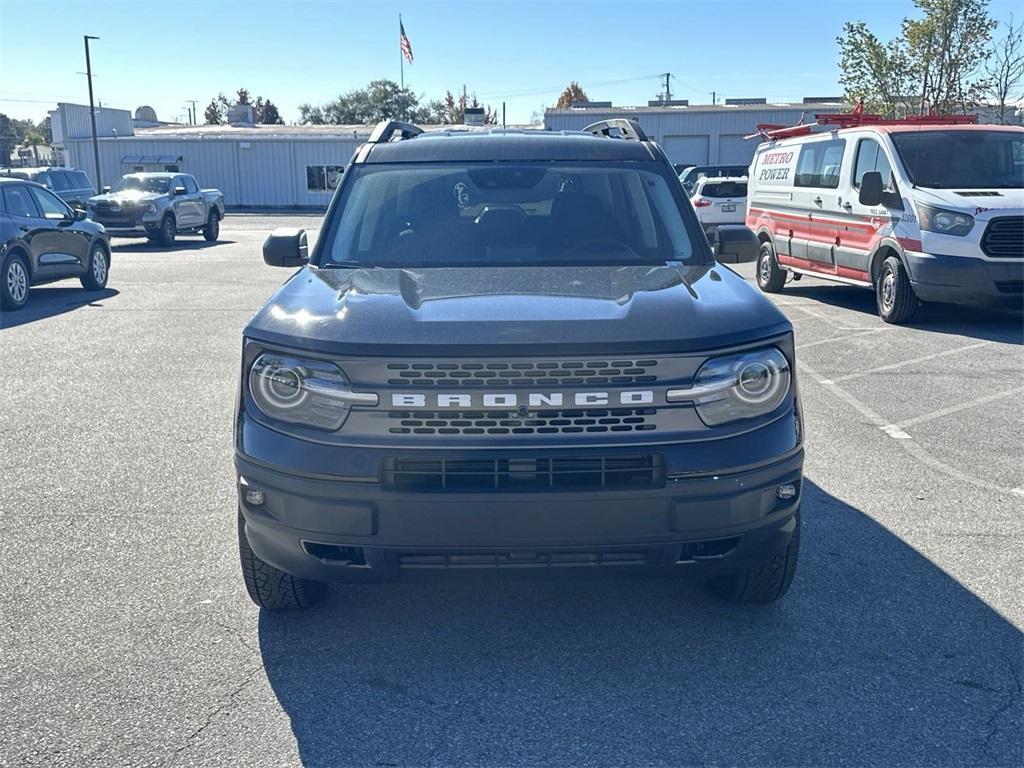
42, 240
70, 185
513, 351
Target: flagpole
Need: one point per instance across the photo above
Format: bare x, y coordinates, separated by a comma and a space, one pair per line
401, 55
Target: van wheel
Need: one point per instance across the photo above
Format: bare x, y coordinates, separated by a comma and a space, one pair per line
14, 282
763, 582
97, 270
770, 276
894, 294
212, 229
270, 587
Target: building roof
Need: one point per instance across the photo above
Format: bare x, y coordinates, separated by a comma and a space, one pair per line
816, 106
253, 131
507, 145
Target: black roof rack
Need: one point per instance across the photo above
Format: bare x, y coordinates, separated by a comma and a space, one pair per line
618, 128
386, 129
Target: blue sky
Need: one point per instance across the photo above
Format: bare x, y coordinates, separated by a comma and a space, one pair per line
522, 53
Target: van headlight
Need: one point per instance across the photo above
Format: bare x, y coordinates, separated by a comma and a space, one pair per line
944, 222
305, 391
738, 386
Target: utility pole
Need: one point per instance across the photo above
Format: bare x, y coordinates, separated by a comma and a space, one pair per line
713, 96
195, 114
92, 113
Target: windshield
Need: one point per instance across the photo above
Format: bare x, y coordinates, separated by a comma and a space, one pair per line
963, 159
158, 184
507, 215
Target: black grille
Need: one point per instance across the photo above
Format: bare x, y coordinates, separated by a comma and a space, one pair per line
510, 423
527, 559
1004, 238
523, 474
545, 373
1012, 287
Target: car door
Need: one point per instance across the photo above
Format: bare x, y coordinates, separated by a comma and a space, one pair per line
822, 197
63, 248
866, 223
189, 205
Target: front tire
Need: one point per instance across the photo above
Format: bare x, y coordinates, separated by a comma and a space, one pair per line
212, 229
894, 295
765, 581
770, 276
270, 587
167, 232
14, 282
97, 270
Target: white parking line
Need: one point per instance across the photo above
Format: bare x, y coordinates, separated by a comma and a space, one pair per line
902, 363
959, 407
819, 342
904, 440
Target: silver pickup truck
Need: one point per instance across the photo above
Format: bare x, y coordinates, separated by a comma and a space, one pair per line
159, 206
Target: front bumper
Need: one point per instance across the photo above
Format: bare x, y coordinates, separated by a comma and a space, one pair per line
966, 280
331, 530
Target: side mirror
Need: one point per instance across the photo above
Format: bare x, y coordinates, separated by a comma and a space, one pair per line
286, 247
106, 189
79, 214
871, 192
179, 191
736, 244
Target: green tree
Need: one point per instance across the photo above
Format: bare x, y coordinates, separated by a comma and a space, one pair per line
214, 115
265, 112
8, 140
310, 115
935, 64
573, 92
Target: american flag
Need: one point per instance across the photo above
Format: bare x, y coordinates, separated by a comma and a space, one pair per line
404, 42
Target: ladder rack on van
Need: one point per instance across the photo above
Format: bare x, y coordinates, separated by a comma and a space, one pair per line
772, 132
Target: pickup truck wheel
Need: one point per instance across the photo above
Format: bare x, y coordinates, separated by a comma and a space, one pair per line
14, 282
270, 587
168, 231
97, 270
770, 276
763, 582
894, 294
212, 229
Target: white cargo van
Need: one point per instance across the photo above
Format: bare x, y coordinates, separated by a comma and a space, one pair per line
916, 211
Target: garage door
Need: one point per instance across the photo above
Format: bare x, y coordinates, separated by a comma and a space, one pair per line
686, 149
735, 150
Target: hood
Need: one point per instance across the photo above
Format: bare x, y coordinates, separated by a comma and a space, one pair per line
973, 201
519, 310
126, 196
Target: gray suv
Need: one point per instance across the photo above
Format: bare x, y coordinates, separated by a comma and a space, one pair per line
70, 185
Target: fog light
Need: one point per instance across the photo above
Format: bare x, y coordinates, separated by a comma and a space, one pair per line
787, 491
256, 498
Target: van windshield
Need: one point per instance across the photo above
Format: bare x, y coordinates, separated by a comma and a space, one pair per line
958, 159
477, 214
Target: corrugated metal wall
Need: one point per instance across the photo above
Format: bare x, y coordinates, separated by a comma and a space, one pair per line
74, 122
258, 173
720, 130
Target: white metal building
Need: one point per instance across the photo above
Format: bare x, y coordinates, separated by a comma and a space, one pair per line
698, 133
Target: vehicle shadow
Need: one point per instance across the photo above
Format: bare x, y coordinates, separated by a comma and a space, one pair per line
876, 657
46, 301
144, 246
974, 322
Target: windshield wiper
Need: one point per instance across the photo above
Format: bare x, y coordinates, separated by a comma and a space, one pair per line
347, 265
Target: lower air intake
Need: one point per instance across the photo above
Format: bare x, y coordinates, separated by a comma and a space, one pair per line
523, 474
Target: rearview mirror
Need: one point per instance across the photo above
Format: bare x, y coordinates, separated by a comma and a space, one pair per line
871, 192
736, 244
286, 247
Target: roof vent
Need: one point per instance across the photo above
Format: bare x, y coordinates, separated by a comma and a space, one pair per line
823, 99
739, 102
591, 104
241, 114
474, 116
668, 103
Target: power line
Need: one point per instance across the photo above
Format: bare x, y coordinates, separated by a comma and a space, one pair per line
560, 88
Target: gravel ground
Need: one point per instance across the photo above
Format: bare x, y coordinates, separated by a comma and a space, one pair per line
128, 639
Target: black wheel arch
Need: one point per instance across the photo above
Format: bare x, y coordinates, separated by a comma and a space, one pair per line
886, 247
19, 249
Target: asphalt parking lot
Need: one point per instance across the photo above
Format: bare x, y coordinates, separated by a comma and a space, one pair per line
128, 639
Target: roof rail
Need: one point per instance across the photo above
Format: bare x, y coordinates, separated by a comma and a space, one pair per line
618, 128
385, 131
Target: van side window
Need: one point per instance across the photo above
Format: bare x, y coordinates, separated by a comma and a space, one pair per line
819, 164
871, 157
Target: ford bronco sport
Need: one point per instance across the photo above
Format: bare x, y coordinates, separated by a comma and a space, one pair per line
514, 351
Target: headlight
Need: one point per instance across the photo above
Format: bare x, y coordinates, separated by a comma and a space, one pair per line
737, 387
151, 208
944, 222
303, 391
